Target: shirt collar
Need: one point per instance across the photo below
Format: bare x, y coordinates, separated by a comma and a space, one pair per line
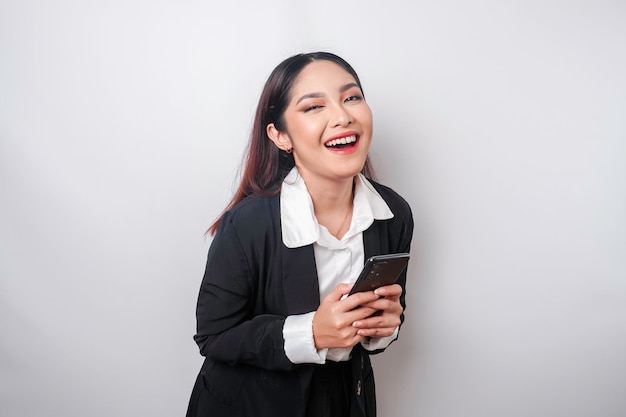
297, 216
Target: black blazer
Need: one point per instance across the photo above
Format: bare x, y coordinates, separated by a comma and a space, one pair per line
252, 282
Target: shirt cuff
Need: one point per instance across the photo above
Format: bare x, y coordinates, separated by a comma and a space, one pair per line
375, 343
339, 354
299, 343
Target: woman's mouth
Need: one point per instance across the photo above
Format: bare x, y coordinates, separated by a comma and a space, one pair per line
341, 143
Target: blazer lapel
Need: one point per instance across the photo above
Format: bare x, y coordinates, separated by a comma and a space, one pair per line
300, 282
375, 239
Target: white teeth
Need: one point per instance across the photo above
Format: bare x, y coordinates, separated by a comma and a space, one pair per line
342, 141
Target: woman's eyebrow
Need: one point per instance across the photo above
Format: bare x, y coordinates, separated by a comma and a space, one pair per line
310, 95
348, 86
342, 89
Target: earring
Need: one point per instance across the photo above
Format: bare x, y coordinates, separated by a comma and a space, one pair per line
289, 150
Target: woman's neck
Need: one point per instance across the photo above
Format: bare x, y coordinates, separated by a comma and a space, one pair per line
332, 203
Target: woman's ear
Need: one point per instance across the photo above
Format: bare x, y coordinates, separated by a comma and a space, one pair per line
280, 139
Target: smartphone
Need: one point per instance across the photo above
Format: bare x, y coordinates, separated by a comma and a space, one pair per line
379, 271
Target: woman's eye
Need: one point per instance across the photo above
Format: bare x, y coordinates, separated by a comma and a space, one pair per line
312, 107
354, 97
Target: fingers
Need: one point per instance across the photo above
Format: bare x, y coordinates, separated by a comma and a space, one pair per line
334, 329
382, 320
376, 332
377, 325
344, 321
338, 292
387, 319
332, 322
388, 301
359, 299
388, 305
389, 291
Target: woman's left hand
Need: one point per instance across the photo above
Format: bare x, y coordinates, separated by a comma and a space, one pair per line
387, 318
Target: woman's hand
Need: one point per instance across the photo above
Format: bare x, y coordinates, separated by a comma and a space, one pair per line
333, 322
388, 310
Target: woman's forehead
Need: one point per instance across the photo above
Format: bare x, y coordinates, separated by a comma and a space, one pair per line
321, 76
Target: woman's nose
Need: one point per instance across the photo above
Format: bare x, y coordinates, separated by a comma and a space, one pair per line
340, 117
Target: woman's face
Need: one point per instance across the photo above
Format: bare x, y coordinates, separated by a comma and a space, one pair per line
328, 124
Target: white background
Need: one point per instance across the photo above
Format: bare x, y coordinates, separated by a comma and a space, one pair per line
503, 123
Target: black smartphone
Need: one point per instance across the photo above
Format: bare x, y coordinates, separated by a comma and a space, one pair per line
379, 271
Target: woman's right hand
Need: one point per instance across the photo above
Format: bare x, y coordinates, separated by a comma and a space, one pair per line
332, 322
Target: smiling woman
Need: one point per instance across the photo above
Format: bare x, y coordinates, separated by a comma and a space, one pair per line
328, 125
274, 322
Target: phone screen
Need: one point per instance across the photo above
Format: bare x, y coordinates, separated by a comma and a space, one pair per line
379, 271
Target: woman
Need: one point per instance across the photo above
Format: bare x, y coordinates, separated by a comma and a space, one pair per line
297, 232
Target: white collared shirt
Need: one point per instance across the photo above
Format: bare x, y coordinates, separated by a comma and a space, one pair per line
337, 261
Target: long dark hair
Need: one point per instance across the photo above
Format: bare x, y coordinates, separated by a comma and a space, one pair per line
264, 165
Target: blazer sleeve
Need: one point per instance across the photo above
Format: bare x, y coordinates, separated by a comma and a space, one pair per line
404, 245
402, 235
228, 328
398, 236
